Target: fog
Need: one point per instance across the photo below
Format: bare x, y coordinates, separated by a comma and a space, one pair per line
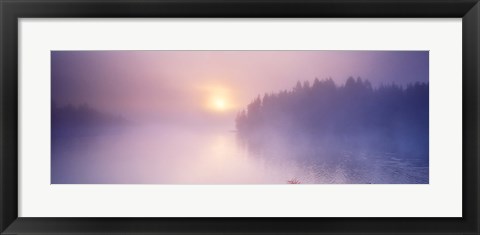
163, 155
157, 154
239, 117
157, 85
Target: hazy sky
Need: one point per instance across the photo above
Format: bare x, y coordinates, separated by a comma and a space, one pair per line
211, 85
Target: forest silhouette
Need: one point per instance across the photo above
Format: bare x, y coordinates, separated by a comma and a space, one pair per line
355, 116
81, 120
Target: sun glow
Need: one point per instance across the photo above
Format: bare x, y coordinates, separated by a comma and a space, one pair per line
219, 104
217, 98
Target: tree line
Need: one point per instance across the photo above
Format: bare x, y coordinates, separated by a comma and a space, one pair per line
80, 120
355, 115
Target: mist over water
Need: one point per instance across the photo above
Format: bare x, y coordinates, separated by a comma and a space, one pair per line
163, 154
237, 117
169, 154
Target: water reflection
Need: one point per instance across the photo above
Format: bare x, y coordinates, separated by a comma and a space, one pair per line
163, 154
325, 162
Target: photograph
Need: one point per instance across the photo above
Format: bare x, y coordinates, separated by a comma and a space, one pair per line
232, 117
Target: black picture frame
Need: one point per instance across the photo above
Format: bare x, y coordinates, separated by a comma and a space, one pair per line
12, 10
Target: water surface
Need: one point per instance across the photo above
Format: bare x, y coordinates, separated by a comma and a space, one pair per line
167, 154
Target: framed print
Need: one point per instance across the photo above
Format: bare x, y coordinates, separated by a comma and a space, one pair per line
239, 117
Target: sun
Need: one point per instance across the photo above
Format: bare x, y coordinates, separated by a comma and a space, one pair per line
220, 103
217, 99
